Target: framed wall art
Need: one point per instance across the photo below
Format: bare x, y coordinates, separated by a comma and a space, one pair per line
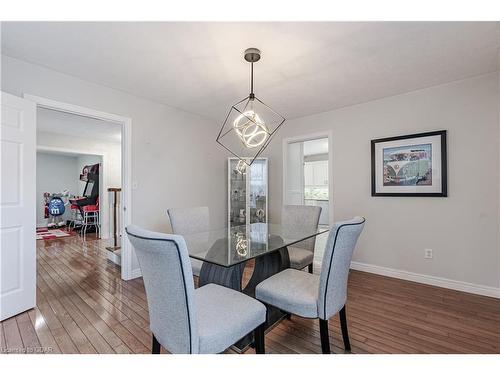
410, 165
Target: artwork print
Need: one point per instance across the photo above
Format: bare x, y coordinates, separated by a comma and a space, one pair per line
410, 165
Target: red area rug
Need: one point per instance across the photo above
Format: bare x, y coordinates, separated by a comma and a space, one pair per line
50, 234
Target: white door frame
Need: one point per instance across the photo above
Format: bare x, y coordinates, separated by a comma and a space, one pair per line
311, 137
126, 125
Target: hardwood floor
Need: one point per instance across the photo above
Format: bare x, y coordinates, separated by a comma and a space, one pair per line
84, 307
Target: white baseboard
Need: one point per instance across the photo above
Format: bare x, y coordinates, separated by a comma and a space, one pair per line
133, 275
427, 279
136, 273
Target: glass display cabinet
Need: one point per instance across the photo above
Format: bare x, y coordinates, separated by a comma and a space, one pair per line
247, 191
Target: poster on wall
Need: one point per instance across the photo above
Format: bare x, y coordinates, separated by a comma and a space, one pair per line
410, 165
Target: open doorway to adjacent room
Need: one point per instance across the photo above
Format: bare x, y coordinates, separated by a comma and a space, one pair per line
306, 173
307, 179
79, 178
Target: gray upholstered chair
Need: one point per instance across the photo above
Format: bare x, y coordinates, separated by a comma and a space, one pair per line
318, 296
188, 221
301, 218
182, 319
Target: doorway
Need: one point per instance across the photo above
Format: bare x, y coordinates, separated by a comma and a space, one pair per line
307, 179
124, 166
307, 162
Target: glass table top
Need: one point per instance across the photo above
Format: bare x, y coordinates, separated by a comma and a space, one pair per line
230, 246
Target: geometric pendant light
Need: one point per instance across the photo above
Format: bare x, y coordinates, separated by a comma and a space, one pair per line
250, 124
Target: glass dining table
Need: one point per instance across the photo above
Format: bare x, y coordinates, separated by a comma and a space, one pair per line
225, 253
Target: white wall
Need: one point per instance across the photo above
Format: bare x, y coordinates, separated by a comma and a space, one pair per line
498, 155
461, 229
54, 173
175, 159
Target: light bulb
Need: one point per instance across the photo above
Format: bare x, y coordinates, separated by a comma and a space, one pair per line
250, 128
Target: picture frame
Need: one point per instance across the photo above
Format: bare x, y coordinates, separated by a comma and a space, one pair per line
413, 165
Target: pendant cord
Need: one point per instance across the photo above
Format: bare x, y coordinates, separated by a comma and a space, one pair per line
251, 80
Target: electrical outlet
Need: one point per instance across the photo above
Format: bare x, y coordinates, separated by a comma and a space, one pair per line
428, 253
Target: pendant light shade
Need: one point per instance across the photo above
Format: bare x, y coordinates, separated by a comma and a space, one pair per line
250, 123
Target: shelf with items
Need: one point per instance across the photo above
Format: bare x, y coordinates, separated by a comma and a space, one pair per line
247, 191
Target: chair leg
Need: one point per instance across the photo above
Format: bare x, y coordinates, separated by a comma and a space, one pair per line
343, 326
310, 268
325, 339
97, 227
156, 346
258, 333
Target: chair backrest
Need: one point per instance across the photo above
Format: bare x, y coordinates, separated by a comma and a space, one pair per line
189, 220
300, 218
336, 263
168, 279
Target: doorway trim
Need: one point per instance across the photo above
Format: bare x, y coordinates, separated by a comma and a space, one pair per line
311, 137
127, 272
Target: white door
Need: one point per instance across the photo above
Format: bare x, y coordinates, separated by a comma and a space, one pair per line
17, 205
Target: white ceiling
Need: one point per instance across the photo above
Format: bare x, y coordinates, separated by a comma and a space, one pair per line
69, 124
305, 67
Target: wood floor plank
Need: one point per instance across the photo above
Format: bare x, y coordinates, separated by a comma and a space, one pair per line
47, 341
81, 342
129, 324
94, 337
107, 275
97, 340
113, 303
122, 349
94, 304
13, 340
59, 334
28, 334
117, 296
83, 305
144, 336
3, 345
132, 342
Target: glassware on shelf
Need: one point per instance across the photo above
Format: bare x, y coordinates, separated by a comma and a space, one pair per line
247, 191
